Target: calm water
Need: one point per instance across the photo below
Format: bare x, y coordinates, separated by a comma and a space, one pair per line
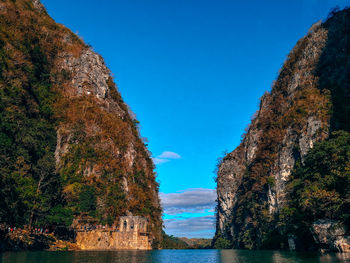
169, 256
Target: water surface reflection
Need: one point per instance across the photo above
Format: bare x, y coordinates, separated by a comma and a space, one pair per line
170, 256
240, 256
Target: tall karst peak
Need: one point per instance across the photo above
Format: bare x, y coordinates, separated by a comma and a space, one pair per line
258, 182
70, 149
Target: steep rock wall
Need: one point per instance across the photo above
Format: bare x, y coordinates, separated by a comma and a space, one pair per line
295, 115
80, 146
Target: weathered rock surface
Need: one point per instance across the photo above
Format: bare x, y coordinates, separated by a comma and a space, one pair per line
38, 6
331, 235
89, 73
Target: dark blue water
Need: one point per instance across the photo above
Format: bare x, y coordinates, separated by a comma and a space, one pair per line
170, 256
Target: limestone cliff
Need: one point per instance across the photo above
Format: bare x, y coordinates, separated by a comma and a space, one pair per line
304, 105
70, 145
330, 234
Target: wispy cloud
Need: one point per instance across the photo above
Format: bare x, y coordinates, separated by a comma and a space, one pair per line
165, 157
191, 227
159, 160
189, 213
195, 200
169, 155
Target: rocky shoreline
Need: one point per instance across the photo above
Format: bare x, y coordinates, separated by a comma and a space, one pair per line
21, 239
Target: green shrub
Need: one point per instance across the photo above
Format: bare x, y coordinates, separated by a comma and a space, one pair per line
222, 243
87, 199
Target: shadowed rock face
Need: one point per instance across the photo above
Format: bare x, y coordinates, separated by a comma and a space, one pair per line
331, 235
295, 115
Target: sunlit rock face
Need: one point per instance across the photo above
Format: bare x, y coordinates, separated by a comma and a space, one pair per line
110, 129
107, 124
292, 117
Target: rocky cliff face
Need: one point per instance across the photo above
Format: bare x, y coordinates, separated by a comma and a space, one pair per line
330, 234
81, 152
298, 112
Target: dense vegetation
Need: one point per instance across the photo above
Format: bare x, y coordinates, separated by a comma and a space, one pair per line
171, 242
198, 243
30, 186
105, 170
319, 188
221, 242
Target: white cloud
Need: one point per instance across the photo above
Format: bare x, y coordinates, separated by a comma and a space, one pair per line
190, 212
169, 155
191, 227
159, 161
194, 200
165, 157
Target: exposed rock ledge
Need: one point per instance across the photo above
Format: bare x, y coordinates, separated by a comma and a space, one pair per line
331, 235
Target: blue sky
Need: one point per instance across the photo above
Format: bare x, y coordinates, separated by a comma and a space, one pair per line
193, 72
